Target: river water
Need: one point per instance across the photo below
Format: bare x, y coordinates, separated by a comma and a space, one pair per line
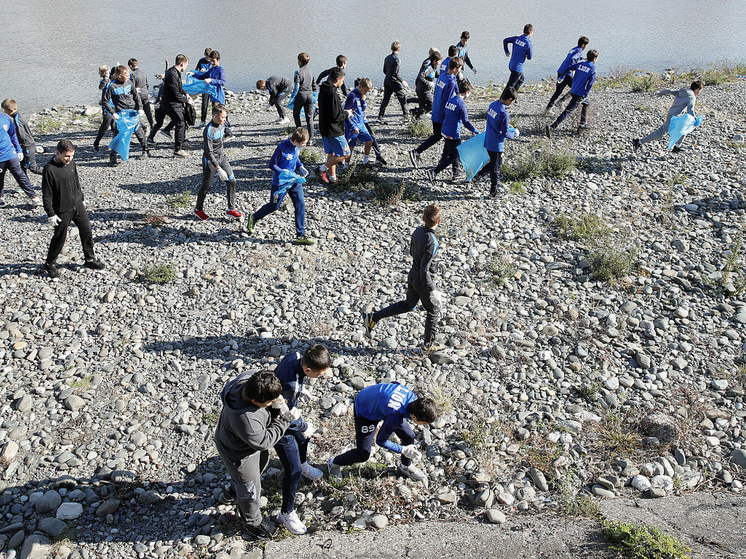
53, 49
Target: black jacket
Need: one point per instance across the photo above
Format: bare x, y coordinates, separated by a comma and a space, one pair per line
331, 115
173, 92
423, 248
60, 187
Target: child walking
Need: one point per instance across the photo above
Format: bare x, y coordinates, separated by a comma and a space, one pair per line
215, 162
356, 130
287, 169
25, 139
420, 284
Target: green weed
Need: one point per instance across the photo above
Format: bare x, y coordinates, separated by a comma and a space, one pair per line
419, 128
644, 541
585, 226
47, 124
160, 273
390, 193
610, 261
177, 201
501, 269
542, 159
309, 157
516, 187
648, 82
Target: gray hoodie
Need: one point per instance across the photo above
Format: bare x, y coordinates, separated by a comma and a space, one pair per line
244, 428
684, 101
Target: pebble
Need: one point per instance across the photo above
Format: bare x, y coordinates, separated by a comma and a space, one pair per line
494, 516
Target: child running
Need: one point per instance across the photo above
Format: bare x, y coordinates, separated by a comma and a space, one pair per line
582, 82
394, 404
565, 73
292, 447
214, 162
523, 49
496, 130
420, 284
285, 164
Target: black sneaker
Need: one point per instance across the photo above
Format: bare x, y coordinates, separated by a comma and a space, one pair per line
493, 191
635, 145
264, 531
94, 264
228, 496
677, 149
548, 131
51, 271
95, 147
368, 322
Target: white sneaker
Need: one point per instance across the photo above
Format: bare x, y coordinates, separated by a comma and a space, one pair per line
2, 201
412, 472
292, 523
333, 469
309, 472
282, 120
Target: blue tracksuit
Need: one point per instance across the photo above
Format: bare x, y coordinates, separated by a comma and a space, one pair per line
463, 54
455, 114
387, 402
217, 75
285, 157
523, 49
573, 57
292, 447
357, 121
444, 65
585, 75
10, 148
445, 88
497, 126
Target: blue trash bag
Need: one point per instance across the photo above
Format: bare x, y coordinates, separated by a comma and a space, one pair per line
291, 103
473, 155
680, 126
127, 123
194, 86
287, 179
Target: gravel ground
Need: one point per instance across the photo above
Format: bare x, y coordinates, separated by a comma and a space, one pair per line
553, 381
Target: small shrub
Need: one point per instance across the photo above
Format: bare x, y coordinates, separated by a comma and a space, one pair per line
358, 177
542, 159
501, 269
648, 82
177, 201
309, 156
390, 193
584, 227
617, 434
155, 220
419, 128
577, 504
160, 273
47, 124
644, 541
609, 262
516, 187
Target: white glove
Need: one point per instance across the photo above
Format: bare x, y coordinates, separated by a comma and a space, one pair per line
303, 172
348, 112
411, 452
305, 395
512, 133
188, 74
115, 116
474, 70
208, 80
268, 107
437, 298
222, 174
54, 221
20, 155
290, 415
310, 430
278, 404
405, 84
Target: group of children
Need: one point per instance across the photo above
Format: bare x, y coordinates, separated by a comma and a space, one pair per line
260, 412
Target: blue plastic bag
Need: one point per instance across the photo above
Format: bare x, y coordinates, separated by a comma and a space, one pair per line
680, 126
194, 86
127, 123
473, 155
291, 103
287, 180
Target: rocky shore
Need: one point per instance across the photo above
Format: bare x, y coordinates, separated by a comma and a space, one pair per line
594, 329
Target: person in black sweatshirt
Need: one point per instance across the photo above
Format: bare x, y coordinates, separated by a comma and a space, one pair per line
172, 104
393, 83
64, 203
420, 284
341, 63
140, 79
332, 126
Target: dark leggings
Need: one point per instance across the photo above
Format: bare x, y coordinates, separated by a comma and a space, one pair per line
571, 106
365, 430
450, 156
561, 85
387, 92
291, 449
415, 293
515, 80
79, 217
304, 100
433, 139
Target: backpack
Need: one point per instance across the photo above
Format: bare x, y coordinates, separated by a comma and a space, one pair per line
190, 115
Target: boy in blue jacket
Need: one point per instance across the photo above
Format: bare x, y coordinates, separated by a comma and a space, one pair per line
445, 87
292, 447
523, 49
216, 76
455, 115
582, 82
286, 158
565, 73
25, 139
11, 155
394, 404
420, 283
204, 65
463, 50
496, 130
356, 130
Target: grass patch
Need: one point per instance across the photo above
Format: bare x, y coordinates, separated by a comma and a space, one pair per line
617, 434
309, 156
648, 82
419, 128
47, 124
501, 268
589, 391
585, 226
576, 503
178, 201
390, 193
81, 385
611, 262
155, 220
516, 187
643, 542
542, 159
160, 273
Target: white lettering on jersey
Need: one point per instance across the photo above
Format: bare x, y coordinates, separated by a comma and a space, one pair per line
397, 398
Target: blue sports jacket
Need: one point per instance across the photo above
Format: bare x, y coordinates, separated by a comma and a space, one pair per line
523, 49
389, 402
497, 126
445, 88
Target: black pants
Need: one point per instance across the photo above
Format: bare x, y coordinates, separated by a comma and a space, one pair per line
208, 176
515, 80
415, 292
79, 217
28, 163
147, 110
14, 166
433, 139
492, 168
365, 429
176, 113
571, 106
450, 156
561, 85
205, 105
387, 92
304, 100
107, 123
425, 97
280, 103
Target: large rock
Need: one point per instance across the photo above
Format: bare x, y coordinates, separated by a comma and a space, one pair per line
660, 426
108, 507
69, 511
48, 502
9, 451
738, 456
35, 546
51, 526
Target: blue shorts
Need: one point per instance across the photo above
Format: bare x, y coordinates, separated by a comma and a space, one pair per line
362, 137
337, 145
